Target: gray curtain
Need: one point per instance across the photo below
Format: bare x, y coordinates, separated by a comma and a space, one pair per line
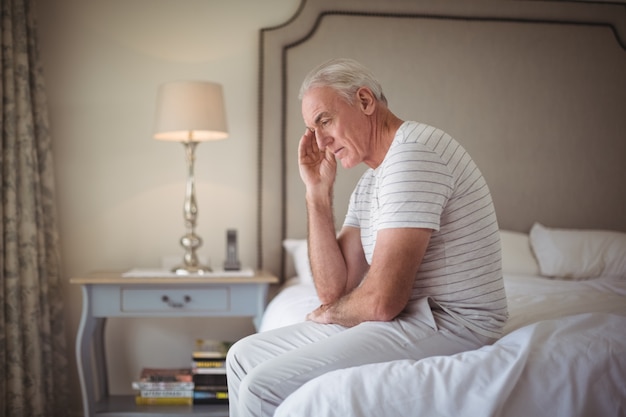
33, 357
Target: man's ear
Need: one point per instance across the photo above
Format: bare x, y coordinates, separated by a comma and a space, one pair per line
366, 100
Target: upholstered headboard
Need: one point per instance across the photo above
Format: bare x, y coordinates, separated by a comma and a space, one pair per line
534, 90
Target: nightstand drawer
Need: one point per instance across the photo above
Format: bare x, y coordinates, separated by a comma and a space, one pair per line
213, 299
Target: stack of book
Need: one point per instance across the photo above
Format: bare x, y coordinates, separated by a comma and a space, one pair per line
164, 386
208, 366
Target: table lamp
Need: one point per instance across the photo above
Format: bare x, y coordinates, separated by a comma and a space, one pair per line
190, 112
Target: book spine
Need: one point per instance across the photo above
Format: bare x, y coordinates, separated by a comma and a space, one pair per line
210, 395
209, 379
208, 401
139, 400
204, 388
141, 385
204, 363
210, 371
166, 375
215, 349
166, 393
208, 355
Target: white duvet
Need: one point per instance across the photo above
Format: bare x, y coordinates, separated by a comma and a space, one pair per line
574, 366
563, 354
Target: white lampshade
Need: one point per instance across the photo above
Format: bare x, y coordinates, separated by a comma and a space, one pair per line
190, 111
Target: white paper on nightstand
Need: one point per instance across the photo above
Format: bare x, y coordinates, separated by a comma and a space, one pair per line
157, 272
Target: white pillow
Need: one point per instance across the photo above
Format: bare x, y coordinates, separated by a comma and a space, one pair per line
579, 254
517, 257
298, 250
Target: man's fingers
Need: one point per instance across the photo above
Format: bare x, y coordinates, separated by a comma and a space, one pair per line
308, 144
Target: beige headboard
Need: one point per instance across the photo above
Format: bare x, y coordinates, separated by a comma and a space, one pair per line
534, 90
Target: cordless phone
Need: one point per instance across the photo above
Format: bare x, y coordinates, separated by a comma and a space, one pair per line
232, 261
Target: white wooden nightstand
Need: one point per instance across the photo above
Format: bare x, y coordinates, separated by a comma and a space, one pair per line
110, 294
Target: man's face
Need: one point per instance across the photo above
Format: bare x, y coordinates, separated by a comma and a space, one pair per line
338, 125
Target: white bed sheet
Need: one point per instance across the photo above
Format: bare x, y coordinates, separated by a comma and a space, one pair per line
563, 354
290, 306
530, 298
572, 366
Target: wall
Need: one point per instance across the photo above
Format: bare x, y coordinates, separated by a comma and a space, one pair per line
120, 193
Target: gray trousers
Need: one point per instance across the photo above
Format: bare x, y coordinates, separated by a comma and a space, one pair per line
264, 368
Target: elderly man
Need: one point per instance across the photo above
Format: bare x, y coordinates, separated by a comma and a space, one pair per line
415, 270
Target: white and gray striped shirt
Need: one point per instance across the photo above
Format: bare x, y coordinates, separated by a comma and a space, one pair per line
428, 180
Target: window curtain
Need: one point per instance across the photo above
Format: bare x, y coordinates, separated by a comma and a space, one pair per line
33, 357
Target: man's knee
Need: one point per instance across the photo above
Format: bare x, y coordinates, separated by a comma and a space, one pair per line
259, 393
238, 357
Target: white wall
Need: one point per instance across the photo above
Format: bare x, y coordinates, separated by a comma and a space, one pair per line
120, 193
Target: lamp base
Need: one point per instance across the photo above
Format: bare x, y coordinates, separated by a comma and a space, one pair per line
192, 270
191, 265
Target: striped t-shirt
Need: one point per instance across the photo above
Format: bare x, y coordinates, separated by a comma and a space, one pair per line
428, 180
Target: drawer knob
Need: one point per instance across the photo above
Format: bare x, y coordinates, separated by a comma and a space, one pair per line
176, 304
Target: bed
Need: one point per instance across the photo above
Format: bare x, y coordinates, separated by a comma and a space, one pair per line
536, 92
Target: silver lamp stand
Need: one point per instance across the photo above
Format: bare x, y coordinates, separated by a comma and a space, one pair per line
190, 241
190, 112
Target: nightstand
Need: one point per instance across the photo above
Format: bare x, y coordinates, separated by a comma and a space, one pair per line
110, 294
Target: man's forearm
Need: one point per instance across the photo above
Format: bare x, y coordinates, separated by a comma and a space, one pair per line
327, 262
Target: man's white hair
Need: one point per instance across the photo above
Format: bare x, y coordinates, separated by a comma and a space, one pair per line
345, 76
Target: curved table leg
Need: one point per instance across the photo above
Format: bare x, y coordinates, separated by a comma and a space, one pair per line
100, 359
90, 330
260, 302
